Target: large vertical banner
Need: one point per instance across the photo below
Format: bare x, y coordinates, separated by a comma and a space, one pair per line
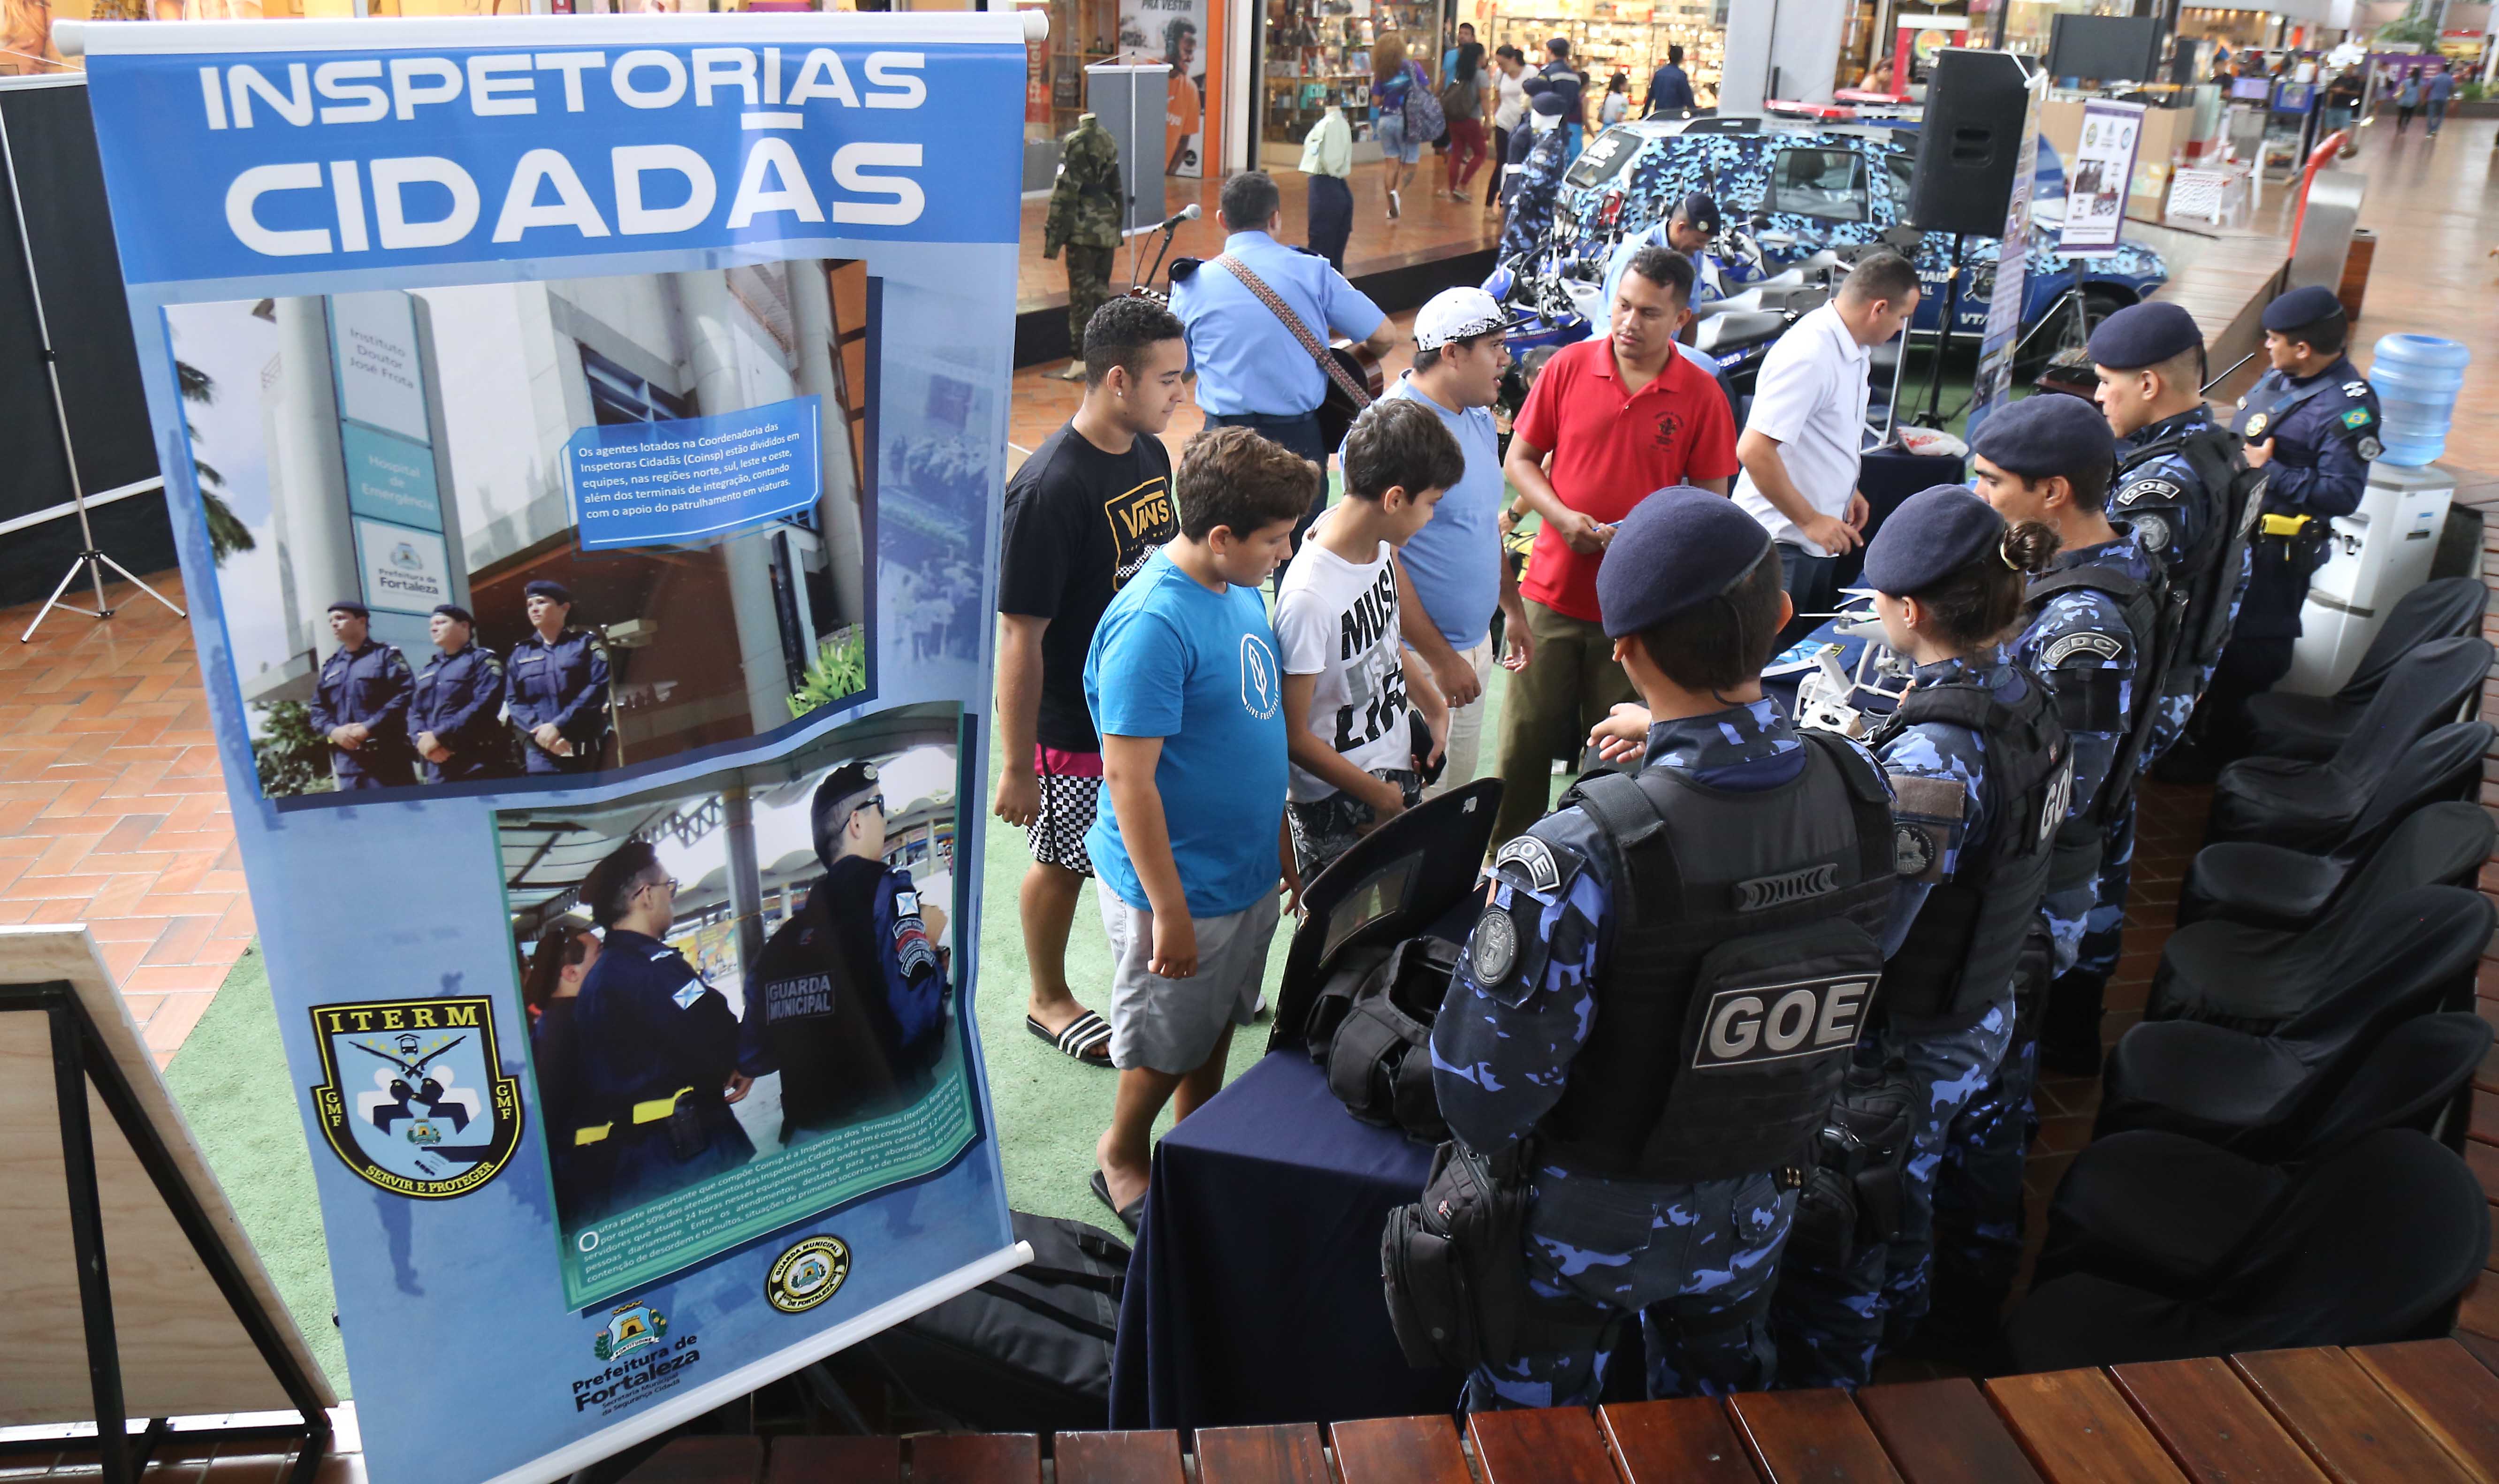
2005, 302
1173, 32
616, 411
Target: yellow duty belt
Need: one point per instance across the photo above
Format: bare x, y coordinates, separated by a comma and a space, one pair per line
2285, 525
649, 1111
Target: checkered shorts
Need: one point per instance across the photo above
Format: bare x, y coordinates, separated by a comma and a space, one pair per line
1068, 801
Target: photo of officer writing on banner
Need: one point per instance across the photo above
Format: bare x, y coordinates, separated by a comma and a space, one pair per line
756, 1022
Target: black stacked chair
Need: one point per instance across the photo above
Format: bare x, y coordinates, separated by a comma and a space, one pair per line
2266, 885
2253, 978
2311, 806
2162, 1211
2312, 726
2261, 1095
2374, 1245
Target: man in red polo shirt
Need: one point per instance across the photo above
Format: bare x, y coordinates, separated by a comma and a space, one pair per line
1609, 422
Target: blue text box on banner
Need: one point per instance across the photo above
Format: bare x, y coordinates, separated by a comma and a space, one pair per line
694, 478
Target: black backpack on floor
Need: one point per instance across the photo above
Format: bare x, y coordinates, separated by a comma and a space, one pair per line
1029, 1351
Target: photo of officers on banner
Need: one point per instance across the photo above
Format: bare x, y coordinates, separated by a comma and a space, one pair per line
719, 975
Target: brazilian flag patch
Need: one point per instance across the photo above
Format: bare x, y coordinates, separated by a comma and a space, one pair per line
2357, 417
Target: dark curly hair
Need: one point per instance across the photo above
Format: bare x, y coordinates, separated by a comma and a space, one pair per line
1120, 332
1399, 443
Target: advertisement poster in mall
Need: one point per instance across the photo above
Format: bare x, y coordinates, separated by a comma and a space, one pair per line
1173, 32
613, 413
2100, 176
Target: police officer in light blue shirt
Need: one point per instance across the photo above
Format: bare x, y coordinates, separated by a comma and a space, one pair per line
1252, 370
557, 682
1688, 230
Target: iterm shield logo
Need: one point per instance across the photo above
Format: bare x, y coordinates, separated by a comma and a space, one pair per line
1777, 1021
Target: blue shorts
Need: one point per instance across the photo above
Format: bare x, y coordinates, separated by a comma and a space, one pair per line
1393, 143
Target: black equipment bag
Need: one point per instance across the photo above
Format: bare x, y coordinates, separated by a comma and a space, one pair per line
1371, 1030
1453, 1264
1852, 1194
1029, 1351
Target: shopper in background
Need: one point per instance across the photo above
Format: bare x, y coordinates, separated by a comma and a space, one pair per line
1617, 104
1669, 88
1462, 103
1328, 160
1508, 112
2442, 86
1393, 78
2408, 100
1569, 85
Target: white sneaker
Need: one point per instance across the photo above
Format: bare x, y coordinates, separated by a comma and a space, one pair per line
1393, 206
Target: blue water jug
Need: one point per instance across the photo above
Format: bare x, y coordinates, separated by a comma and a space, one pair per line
2416, 377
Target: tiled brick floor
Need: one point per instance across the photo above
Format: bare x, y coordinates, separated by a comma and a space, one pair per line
112, 806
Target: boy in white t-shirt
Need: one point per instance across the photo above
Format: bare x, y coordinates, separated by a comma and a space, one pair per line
1347, 725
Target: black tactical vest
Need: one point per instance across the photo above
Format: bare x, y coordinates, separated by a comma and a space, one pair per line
826, 1023
1960, 949
1745, 957
2156, 615
2205, 576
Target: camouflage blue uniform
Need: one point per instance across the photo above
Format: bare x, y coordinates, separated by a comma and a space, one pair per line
1978, 1195
2162, 502
1531, 210
1694, 1260
1828, 1324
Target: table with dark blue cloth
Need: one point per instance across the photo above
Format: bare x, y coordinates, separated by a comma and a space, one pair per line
1254, 1295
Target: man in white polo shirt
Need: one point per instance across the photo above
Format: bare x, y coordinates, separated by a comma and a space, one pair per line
1802, 444
1452, 574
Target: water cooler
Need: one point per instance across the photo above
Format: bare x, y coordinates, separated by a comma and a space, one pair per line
2383, 550
2377, 554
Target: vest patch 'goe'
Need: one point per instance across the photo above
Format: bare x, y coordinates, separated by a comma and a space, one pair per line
1776, 1021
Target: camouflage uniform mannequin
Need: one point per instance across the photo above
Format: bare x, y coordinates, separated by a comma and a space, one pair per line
1084, 220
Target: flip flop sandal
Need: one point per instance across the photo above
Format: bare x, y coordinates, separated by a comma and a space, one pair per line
1129, 1218
1087, 1038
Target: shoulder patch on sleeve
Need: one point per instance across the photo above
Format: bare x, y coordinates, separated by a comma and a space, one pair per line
687, 993
1917, 851
906, 903
2357, 417
1530, 862
1935, 798
2151, 531
2368, 447
2166, 491
2089, 644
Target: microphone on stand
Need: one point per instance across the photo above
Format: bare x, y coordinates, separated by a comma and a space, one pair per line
1188, 212
1171, 224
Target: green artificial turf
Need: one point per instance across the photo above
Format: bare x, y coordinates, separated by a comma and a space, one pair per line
231, 1080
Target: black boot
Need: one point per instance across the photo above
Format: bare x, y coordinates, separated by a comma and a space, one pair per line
2069, 1032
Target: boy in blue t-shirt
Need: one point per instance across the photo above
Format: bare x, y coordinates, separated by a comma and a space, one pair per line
1184, 687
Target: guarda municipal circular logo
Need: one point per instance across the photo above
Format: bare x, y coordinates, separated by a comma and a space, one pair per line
807, 1273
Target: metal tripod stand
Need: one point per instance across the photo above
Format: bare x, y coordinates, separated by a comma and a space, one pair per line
89, 560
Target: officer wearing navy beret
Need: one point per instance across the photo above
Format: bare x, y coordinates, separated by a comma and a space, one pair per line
656, 1048
852, 987
1666, 981
455, 716
2312, 425
1981, 772
556, 680
2085, 623
2183, 487
360, 703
